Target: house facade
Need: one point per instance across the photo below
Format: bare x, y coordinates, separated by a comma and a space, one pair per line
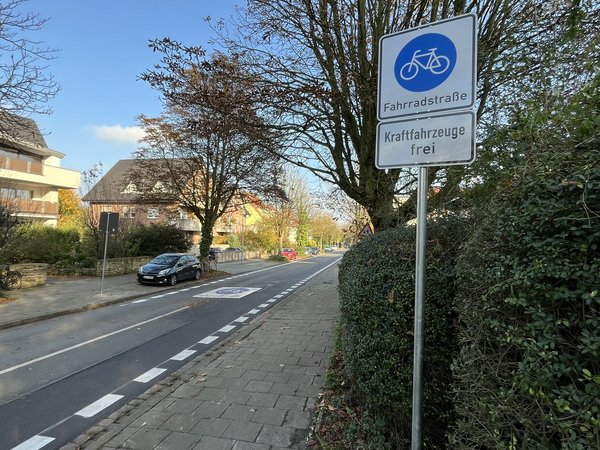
117, 192
30, 173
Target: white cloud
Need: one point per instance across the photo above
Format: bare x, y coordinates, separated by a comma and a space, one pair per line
119, 134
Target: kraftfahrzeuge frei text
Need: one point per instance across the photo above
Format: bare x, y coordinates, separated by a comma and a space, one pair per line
429, 140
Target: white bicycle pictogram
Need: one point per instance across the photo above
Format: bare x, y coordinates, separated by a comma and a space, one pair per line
436, 64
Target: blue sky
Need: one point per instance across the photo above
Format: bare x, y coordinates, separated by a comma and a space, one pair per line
102, 49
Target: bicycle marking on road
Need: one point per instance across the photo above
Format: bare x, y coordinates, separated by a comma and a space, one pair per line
99, 405
90, 341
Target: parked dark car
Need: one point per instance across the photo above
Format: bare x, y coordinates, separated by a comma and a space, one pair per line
313, 251
170, 268
233, 249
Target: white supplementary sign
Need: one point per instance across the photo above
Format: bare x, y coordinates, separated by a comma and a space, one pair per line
441, 140
428, 69
228, 292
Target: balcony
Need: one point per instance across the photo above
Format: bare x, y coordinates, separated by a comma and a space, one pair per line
18, 165
35, 172
35, 207
187, 225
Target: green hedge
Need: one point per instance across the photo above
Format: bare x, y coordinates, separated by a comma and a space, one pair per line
529, 372
376, 282
41, 244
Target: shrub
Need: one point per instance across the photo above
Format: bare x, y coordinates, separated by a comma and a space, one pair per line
528, 375
376, 282
41, 244
155, 239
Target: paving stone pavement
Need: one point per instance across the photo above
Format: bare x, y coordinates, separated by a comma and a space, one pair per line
256, 391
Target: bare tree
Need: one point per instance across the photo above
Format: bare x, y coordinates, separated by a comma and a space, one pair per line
25, 84
319, 62
200, 153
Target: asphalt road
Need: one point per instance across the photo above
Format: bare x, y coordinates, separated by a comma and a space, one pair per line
62, 375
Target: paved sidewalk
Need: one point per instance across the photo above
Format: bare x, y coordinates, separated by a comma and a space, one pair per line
68, 295
256, 390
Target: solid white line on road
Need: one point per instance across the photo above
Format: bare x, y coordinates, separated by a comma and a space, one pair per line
34, 443
104, 336
151, 374
208, 339
227, 328
141, 300
183, 355
158, 296
241, 319
99, 405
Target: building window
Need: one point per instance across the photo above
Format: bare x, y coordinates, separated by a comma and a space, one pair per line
153, 213
129, 212
22, 194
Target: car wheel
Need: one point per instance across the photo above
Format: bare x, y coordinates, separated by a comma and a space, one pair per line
173, 280
198, 274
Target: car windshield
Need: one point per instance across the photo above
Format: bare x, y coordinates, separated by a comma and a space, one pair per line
166, 260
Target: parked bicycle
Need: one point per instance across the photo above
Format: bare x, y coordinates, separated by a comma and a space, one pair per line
10, 279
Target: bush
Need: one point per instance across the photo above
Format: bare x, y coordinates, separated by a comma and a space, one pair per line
528, 375
530, 371
376, 282
41, 244
155, 239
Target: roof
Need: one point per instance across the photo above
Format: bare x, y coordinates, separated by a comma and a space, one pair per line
112, 187
22, 133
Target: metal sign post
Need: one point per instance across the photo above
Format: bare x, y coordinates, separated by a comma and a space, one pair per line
419, 326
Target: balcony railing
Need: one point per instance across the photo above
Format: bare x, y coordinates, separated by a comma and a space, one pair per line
187, 225
35, 207
19, 165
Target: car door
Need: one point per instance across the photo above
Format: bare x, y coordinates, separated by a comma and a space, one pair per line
188, 268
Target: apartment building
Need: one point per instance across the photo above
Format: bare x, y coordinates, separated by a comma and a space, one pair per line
30, 172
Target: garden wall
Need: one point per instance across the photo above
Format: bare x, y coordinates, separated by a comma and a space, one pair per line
34, 274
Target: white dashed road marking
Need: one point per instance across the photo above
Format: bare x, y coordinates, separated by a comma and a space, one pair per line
99, 405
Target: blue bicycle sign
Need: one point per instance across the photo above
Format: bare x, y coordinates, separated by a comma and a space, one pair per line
425, 62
